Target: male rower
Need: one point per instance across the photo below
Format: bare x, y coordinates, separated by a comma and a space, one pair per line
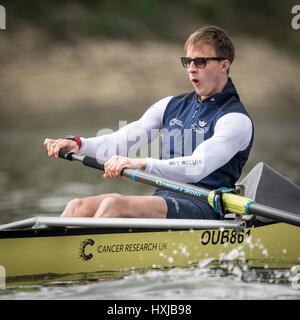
207, 137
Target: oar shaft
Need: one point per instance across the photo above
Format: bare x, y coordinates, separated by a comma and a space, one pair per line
273, 213
140, 176
167, 184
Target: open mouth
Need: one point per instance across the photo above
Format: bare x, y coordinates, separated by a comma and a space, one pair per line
195, 81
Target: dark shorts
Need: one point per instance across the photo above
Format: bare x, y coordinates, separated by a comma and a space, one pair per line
184, 207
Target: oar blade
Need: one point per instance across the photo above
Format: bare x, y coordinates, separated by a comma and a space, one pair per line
268, 187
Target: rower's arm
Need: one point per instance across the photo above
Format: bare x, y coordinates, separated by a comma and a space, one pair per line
232, 134
130, 137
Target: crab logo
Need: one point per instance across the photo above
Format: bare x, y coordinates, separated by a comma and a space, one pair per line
82, 246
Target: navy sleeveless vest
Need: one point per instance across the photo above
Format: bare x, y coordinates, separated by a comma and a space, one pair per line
188, 122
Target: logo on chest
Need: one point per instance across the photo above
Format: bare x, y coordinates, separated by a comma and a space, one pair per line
176, 122
202, 123
200, 127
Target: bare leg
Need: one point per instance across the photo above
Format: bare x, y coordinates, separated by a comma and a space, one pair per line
132, 207
114, 205
85, 207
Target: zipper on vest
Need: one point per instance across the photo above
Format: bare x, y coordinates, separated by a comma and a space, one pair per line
193, 116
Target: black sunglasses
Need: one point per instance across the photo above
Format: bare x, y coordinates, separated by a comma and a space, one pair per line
199, 62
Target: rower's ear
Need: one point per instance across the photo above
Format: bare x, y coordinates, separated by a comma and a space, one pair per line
225, 66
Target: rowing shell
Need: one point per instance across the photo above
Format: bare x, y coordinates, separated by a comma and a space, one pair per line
263, 234
45, 248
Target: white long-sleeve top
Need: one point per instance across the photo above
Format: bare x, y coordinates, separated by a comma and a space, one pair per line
232, 134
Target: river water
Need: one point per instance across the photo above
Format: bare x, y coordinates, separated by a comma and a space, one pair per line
32, 184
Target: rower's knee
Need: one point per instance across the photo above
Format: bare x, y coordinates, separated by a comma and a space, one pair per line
112, 207
73, 208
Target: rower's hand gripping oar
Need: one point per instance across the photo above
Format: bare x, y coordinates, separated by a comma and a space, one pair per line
231, 202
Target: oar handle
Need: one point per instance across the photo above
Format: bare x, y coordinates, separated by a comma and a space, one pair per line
86, 160
93, 163
65, 154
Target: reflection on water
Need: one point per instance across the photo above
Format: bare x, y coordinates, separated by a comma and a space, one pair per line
32, 184
228, 280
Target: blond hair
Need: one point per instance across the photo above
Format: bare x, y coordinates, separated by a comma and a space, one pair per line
215, 37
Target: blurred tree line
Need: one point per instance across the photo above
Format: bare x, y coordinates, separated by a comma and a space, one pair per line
170, 20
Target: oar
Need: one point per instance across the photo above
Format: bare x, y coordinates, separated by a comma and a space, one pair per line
232, 202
